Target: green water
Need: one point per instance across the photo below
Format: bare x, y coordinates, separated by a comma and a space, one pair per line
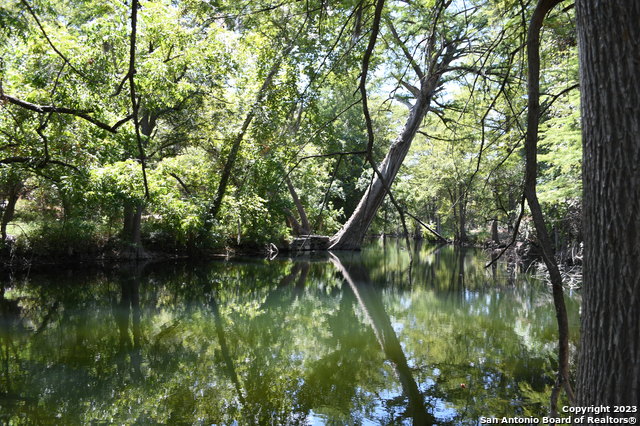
354, 338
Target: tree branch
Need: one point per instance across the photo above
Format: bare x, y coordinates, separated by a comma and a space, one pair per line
45, 109
181, 182
44, 33
135, 103
555, 97
407, 54
365, 110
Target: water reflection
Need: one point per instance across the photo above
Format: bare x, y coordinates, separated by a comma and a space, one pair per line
355, 338
370, 302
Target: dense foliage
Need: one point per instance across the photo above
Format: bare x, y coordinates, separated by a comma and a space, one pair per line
192, 125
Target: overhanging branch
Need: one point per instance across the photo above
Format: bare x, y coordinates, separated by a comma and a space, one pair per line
46, 109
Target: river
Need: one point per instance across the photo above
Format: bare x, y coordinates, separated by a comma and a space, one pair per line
369, 337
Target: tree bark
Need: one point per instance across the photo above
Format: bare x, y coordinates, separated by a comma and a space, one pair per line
511, 215
13, 194
292, 222
609, 49
131, 229
462, 220
494, 231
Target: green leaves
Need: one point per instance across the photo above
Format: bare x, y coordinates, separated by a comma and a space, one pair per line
199, 66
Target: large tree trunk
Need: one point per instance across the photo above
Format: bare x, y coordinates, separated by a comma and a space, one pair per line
131, 229
495, 237
352, 234
609, 42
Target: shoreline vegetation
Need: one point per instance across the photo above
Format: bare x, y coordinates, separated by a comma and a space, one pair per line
81, 251
189, 128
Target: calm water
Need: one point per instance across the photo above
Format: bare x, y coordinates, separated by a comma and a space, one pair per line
355, 338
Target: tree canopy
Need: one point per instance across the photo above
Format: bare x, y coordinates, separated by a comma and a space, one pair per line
207, 124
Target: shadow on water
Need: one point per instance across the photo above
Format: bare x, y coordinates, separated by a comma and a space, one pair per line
347, 338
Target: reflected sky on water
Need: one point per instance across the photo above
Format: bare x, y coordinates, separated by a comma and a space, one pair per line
364, 337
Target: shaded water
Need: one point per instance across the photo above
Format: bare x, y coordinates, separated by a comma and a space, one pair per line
351, 338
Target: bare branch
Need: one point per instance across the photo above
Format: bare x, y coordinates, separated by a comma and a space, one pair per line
555, 97
514, 237
409, 56
45, 109
44, 33
36, 163
433, 231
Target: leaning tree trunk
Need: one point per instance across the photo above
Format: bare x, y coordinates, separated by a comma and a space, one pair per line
609, 46
352, 234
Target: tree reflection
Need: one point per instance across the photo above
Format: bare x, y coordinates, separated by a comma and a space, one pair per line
282, 342
126, 312
370, 301
224, 348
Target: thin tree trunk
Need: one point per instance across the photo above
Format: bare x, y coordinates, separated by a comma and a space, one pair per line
511, 216
531, 170
237, 141
305, 227
609, 47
